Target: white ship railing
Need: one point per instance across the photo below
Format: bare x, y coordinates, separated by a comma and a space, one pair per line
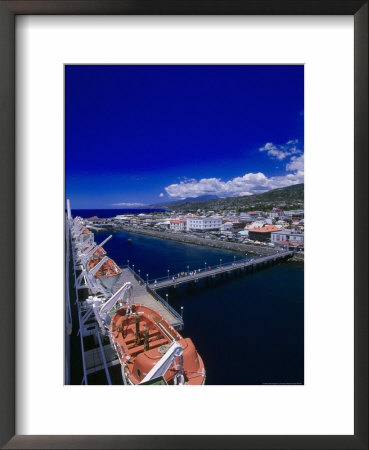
67, 306
83, 315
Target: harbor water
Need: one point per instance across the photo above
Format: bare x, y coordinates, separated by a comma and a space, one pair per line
249, 329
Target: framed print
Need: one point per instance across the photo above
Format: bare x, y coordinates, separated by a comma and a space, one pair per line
157, 214
114, 105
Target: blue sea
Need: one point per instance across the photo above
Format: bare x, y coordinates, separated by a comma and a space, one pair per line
249, 329
106, 213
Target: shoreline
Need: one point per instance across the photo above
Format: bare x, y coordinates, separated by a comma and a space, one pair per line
189, 239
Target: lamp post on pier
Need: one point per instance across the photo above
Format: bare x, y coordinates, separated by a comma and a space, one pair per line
205, 265
133, 267
188, 269
147, 279
168, 274
220, 262
128, 262
166, 295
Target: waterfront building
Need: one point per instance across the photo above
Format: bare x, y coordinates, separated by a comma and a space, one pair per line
287, 239
178, 224
244, 233
203, 223
143, 218
163, 224
238, 225
226, 226
95, 220
148, 222
262, 234
122, 219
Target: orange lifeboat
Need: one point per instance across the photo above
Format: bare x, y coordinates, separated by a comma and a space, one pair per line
108, 273
98, 253
142, 338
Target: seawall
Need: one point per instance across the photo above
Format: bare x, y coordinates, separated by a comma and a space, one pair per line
187, 238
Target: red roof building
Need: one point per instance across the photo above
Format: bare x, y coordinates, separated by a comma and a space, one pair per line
262, 233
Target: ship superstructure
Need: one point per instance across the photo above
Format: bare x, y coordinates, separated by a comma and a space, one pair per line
108, 295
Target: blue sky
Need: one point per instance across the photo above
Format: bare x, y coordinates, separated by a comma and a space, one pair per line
138, 135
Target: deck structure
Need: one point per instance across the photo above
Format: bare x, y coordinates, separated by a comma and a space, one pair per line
144, 295
243, 264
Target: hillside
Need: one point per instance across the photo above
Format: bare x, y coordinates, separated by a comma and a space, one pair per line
291, 197
168, 205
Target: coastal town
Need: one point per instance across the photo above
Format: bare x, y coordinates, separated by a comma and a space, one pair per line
193, 219
276, 229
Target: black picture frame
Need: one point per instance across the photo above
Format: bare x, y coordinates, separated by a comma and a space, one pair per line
8, 12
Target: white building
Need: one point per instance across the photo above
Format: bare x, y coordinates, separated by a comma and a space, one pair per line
287, 238
245, 217
294, 214
203, 223
163, 224
178, 224
123, 219
276, 213
244, 233
226, 226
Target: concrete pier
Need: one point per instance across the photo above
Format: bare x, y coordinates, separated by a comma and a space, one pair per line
145, 296
219, 270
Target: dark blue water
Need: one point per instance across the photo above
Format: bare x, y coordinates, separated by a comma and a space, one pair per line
106, 213
248, 329
154, 256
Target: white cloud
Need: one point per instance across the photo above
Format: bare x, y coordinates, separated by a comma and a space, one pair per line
250, 183
129, 204
296, 163
161, 194
281, 151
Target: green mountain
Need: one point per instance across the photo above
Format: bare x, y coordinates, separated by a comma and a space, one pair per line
168, 204
291, 197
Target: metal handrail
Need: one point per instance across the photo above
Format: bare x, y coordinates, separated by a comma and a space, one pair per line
166, 304
238, 262
219, 267
135, 274
230, 264
155, 294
